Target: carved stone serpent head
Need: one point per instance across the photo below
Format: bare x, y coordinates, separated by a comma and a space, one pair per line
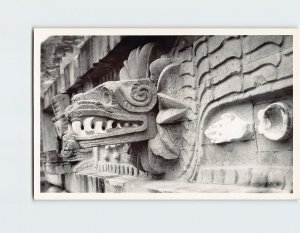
139, 110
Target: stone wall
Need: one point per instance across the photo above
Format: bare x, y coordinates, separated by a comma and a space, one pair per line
241, 75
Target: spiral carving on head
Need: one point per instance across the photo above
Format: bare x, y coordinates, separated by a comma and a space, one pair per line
141, 93
141, 97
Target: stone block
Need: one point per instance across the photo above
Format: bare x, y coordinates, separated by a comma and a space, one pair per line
54, 189
275, 158
273, 59
250, 43
54, 179
230, 154
264, 51
259, 176
287, 42
200, 53
276, 178
207, 97
231, 85
244, 176
215, 42
185, 54
71, 183
286, 66
288, 180
187, 68
203, 68
227, 69
259, 77
207, 176
230, 49
218, 176
230, 176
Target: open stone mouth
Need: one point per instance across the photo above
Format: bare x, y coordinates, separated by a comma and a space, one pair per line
103, 126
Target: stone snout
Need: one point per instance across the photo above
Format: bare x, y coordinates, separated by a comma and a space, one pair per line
230, 127
275, 121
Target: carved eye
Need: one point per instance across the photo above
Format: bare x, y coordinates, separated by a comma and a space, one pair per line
106, 96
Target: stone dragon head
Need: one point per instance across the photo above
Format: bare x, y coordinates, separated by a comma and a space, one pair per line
139, 110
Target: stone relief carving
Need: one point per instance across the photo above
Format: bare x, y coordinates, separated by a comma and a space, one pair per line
140, 110
275, 121
230, 127
59, 104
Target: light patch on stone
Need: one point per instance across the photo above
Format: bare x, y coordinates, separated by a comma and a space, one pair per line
230, 127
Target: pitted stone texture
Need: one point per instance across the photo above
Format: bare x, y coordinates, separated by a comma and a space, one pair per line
286, 66
230, 49
232, 85
250, 43
259, 77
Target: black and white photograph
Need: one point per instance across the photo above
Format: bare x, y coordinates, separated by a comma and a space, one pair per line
197, 114
150, 116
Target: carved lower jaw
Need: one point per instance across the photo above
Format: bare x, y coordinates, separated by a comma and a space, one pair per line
93, 127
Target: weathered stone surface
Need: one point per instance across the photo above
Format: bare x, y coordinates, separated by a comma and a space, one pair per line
215, 42
230, 154
185, 54
203, 68
287, 42
227, 69
275, 158
232, 85
218, 176
230, 176
269, 60
259, 77
187, 68
201, 53
230, 49
207, 176
286, 66
207, 97
54, 179
259, 176
251, 43
230, 127
276, 178
264, 51
54, 189
244, 176
266, 145
118, 184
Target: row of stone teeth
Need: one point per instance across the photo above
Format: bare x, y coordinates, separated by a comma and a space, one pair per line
90, 126
122, 169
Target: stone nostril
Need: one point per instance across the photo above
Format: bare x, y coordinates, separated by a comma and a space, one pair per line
82, 126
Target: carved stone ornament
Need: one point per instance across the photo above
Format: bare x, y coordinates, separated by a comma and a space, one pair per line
139, 110
59, 104
275, 121
230, 127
